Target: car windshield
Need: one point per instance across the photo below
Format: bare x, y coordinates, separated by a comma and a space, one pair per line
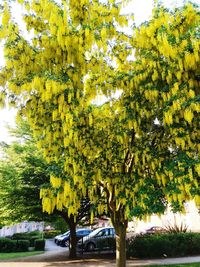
67, 233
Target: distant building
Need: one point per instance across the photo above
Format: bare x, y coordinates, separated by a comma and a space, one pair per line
22, 227
191, 219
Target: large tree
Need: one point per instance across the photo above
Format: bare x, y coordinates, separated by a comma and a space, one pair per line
134, 154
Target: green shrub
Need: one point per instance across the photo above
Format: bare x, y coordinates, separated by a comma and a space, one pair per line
176, 228
32, 240
31, 237
22, 245
172, 245
39, 244
35, 233
7, 245
20, 236
51, 233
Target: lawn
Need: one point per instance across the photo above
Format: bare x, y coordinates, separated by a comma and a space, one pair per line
13, 255
197, 264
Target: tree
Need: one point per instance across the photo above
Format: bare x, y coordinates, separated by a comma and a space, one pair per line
23, 171
138, 152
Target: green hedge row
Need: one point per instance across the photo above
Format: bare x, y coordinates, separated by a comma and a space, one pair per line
31, 237
9, 245
170, 245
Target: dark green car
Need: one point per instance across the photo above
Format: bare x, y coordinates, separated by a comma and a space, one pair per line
99, 239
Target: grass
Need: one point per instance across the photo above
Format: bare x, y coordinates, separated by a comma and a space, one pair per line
14, 255
197, 264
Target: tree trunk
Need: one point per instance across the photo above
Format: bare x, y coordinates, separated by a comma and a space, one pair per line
120, 225
72, 243
120, 246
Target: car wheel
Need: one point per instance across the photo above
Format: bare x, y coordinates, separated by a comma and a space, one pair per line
66, 243
90, 247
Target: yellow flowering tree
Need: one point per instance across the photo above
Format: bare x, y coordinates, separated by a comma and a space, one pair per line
144, 146
135, 153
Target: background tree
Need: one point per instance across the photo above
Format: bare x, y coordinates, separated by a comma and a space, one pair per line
23, 172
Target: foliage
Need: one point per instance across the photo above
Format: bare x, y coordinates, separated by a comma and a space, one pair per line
60, 225
8, 245
51, 233
154, 168
177, 228
22, 245
22, 172
39, 244
170, 245
31, 237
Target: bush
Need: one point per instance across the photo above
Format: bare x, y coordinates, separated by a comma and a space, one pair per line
51, 233
35, 233
172, 245
39, 244
22, 245
175, 228
31, 237
32, 240
7, 245
20, 236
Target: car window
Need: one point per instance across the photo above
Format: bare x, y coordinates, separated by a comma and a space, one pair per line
104, 232
101, 233
112, 231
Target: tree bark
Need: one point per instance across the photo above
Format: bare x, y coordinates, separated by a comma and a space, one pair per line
120, 225
72, 243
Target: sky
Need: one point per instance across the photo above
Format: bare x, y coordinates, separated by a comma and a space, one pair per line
142, 11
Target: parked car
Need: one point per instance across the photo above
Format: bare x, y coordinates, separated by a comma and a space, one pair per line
64, 241
60, 236
101, 238
154, 230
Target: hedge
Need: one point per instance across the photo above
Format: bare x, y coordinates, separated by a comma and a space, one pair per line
31, 237
39, 244
22, 245
8, 245
170, 245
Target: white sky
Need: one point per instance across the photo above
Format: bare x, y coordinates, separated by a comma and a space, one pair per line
142, 11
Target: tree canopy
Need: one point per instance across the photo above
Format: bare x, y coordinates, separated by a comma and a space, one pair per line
134, 154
